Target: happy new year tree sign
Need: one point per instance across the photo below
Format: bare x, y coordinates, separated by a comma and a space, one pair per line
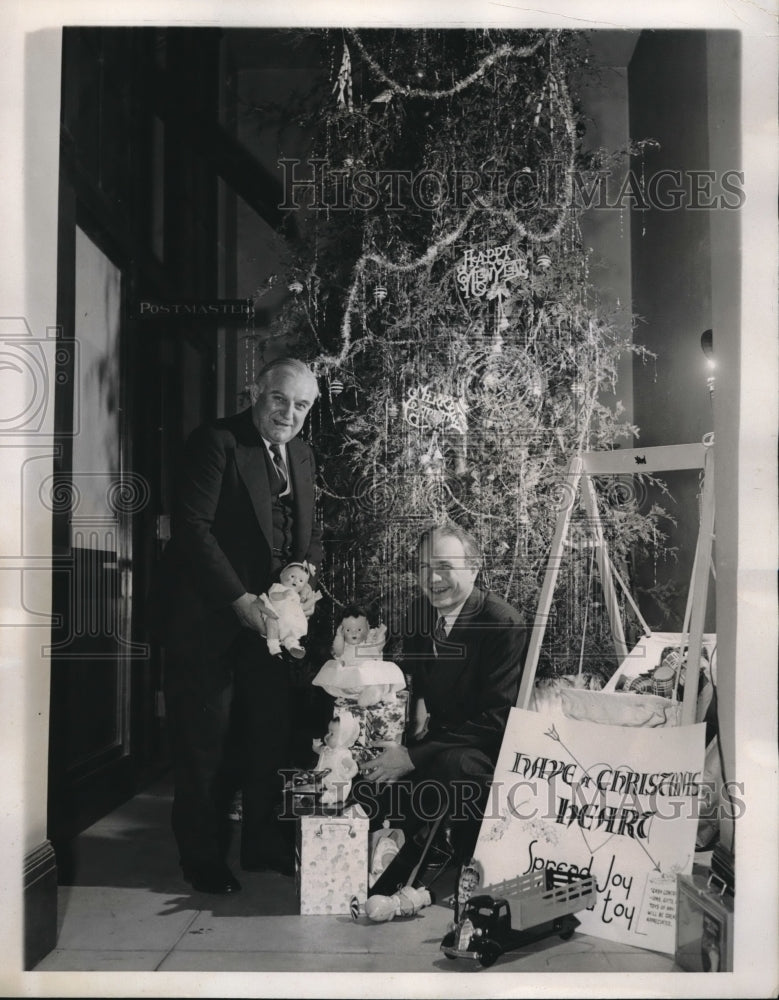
616, 802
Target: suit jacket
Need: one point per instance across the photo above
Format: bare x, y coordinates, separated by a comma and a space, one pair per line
222, 541
473, 682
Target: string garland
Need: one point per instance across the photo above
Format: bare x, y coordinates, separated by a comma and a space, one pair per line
503, 52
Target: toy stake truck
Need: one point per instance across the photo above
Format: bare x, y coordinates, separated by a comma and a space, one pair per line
544, 903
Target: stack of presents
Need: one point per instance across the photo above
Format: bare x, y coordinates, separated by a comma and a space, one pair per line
337, 860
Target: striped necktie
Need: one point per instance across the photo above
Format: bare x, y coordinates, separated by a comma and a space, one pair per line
279, 466
439, 634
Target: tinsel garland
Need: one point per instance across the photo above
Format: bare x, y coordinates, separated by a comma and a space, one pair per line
503, 52
380, 260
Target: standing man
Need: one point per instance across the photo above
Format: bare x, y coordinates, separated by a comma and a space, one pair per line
245, 509
465, 650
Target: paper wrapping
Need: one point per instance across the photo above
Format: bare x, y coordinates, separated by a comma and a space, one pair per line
332, 862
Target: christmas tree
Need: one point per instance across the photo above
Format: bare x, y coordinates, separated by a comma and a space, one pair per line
444, 298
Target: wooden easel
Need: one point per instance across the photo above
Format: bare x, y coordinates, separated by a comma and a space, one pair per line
628, 462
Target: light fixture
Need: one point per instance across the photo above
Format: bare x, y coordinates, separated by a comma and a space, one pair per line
707, 346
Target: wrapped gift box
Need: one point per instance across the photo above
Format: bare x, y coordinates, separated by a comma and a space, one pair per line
332, 861
384, 721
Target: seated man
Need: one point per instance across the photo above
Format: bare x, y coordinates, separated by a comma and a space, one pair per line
464, 648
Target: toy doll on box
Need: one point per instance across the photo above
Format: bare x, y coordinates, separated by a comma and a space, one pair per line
357, 669
285, 599
362, 682
355, 641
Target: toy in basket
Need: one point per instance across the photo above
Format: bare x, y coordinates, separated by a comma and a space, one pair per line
368, 687
658, 665
646, 689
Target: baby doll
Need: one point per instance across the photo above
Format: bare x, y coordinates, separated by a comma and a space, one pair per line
358, 670
355, 640
406, 902
285, 600
335, 756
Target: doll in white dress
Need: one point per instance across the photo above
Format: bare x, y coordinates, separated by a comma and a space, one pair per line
357, 670
285, 601
335, 758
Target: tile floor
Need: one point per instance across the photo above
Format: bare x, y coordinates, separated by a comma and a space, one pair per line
130, 911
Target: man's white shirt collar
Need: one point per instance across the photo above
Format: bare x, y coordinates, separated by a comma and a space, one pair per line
451, 616
282, 449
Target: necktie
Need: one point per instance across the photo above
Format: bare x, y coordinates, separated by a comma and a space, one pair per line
439, 633
279, 466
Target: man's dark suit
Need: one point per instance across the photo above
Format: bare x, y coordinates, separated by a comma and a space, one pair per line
222, 548
470, 685
468, 688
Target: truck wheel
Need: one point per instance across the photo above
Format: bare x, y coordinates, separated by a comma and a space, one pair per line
566, 931
489, 954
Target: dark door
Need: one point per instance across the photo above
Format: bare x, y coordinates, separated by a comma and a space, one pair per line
94, 498
137, 222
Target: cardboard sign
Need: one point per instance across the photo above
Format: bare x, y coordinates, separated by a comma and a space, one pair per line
617, 803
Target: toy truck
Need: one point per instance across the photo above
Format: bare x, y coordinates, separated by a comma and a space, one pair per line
544, 903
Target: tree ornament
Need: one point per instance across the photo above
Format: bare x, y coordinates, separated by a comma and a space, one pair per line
336, 386
485, 273
379, 293
543, 262
296, 287
343, 82
425, 408
536, 385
